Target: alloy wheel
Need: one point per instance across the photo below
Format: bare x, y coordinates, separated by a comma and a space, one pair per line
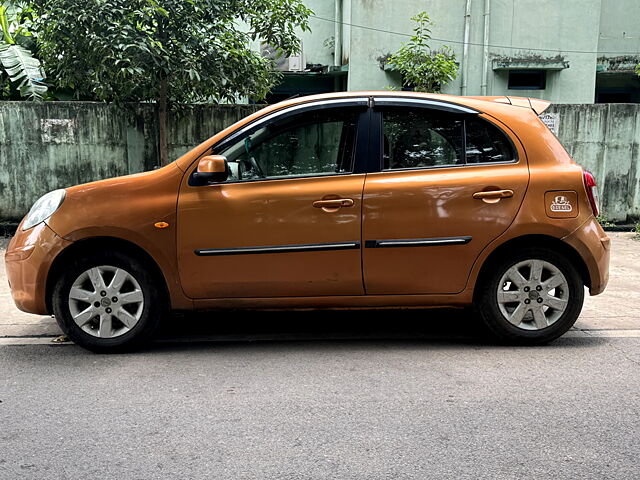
533, 294
106, 301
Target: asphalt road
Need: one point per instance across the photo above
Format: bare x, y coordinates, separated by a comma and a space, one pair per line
329, 395
428, 408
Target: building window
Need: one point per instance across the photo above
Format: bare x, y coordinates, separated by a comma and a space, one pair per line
617, 87
527, 79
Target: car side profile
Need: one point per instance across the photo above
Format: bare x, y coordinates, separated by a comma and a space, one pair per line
345, 200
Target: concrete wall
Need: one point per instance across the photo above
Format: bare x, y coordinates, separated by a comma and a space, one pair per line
604, 139
44, 146
619, 29
49, 145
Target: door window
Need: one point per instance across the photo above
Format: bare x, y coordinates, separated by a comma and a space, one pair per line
485, 143
421, 138
316, 143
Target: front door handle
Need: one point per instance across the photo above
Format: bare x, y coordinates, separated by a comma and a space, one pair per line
493, 195
333, 204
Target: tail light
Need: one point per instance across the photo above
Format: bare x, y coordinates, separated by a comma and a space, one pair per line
592, 192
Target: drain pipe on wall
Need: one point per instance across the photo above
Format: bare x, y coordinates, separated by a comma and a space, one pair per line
485, 45
465, 48
337, 35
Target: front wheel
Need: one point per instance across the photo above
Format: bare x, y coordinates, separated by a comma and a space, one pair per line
108, 302
531, 297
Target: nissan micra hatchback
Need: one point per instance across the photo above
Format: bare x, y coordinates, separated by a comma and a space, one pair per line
360, 199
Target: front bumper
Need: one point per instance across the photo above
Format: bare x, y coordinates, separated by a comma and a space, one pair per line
594, 246
28, 260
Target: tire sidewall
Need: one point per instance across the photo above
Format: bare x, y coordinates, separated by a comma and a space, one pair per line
154, 306
496, 321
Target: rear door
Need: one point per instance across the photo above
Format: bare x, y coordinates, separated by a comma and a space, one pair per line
448, 182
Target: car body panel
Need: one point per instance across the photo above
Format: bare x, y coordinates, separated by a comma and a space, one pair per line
28, 259
270, 214
434, 204
127, 208
594, 246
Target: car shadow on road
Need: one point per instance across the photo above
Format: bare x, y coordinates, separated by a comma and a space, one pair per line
452, 327
245, 325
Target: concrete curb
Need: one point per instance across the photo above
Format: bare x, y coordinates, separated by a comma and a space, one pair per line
49, 340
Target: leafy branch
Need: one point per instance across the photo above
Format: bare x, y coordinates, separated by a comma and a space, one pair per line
422, 68
22, 68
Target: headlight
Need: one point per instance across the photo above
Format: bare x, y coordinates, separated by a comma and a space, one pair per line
44, 207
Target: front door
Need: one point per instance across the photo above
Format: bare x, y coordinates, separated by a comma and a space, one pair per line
449, 182
287, 222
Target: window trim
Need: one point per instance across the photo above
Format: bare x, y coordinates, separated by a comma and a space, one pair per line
288, 111
280, 178
361, 142
424, 103
377, 147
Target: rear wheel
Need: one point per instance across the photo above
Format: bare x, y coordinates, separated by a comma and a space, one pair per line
531, 297
108, 302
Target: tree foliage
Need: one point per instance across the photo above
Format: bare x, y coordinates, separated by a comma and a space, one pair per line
166, 50
22, 68
422, 68
127, 50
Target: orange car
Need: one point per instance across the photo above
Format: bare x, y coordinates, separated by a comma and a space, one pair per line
346, 200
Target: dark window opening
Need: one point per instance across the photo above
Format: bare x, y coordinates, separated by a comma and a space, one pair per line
614, 97
619, 87
527, 80
303, 84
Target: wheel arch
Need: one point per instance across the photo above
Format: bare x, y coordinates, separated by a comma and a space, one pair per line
534, 240
87, 245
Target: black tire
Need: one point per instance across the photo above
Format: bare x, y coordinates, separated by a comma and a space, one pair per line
487, 298
155, 306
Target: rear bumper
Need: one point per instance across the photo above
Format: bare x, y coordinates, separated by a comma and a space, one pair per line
28, 259
594, 246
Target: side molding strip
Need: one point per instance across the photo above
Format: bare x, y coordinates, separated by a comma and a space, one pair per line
309, 247
417, 242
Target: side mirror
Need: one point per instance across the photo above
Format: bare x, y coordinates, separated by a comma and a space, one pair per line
211, 169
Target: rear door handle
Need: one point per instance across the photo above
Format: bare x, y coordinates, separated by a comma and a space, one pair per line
493, 194
333, 204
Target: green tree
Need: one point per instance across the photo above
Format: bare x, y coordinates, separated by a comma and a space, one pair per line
23, 70
166, 50
422, 68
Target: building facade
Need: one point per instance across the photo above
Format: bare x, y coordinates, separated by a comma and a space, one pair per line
566, 51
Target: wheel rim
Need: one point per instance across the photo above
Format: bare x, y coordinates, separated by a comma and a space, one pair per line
106, 301
533, 294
